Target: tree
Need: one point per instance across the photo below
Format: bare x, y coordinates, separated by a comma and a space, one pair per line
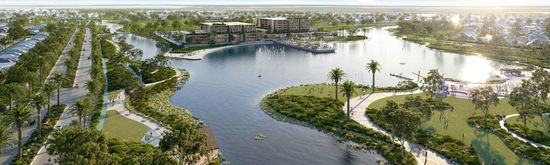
402, 122
162, 60
30, 78
524, 99
415, 103
5, 136
49, 88
81, 108
135, 54
73, 145
59, 78
93, 89
336, 75
482, 98
434, 81
348, 89
38, 101
19, 115
184, 142
13, 91
373, 67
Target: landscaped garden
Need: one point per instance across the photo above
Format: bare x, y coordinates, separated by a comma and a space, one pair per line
454, 123
124, 129
537, 128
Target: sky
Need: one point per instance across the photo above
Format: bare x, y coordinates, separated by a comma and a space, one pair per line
281, 2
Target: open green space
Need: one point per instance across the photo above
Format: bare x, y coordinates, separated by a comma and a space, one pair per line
122, 128
487, 145
327, 90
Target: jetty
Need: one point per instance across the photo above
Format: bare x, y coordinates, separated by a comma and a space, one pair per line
309, 47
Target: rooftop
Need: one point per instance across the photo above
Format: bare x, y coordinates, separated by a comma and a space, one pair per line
226, 23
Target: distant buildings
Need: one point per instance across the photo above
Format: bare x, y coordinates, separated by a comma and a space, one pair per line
10, 56
283, 25
222, 33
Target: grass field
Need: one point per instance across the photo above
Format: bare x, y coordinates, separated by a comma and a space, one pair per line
325, 26
122, 128
488, 146
320, 90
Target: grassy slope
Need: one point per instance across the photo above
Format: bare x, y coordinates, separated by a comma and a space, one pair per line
488, 146
122, 128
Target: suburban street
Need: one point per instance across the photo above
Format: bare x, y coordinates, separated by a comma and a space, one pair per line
9, 152
70, 95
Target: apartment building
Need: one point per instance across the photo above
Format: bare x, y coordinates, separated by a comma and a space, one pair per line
281, 25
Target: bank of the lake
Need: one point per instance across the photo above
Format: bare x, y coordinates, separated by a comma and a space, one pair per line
308, 105
508, 54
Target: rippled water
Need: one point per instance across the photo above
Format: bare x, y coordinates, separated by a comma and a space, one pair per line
224, 91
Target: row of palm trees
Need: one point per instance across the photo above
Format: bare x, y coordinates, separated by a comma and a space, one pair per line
19, 112
336, 75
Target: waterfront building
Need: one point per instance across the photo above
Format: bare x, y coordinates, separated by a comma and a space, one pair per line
283, 25
221, 33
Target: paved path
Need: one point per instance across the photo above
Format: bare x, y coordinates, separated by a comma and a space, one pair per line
9, 152
119, 106
70, 95
178, 74
359, 106
535, 144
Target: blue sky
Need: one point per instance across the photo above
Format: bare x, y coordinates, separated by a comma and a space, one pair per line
275, 2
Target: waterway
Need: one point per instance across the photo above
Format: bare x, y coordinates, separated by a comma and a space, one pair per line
224, 91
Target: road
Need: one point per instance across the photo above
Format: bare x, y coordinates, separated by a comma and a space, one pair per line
9, 152
70, 95
360, 105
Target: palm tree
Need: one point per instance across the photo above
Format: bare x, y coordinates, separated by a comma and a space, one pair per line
348, 89
49, 88
12, 91
373, 67
81, 108
336, 75
59, 78
38, 101
19, 115
5, 136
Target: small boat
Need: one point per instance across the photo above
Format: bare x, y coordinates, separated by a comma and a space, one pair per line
260, 75
259, 137
402, 63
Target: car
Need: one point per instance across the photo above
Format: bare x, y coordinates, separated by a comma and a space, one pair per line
58, 127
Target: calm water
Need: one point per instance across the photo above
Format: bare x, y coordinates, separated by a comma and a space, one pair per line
224, 91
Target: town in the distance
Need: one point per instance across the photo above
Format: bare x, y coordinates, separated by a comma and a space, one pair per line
366, 82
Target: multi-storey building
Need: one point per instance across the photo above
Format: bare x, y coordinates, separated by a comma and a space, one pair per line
223, 33
278, 25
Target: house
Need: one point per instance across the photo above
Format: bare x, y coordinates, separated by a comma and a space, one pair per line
535, 39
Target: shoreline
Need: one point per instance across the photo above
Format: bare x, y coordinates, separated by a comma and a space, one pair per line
199, 54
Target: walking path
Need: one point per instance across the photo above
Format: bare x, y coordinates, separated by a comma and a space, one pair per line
70, 95
9, 152
361, 103
178, 74
155, 128
535, 144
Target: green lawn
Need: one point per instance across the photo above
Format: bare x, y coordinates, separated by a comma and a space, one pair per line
122, 128
325, 26
487, 145
320, 90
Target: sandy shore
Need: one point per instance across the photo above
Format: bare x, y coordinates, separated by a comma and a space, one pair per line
199, 54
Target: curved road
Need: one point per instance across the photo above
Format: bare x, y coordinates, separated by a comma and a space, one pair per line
359, 106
